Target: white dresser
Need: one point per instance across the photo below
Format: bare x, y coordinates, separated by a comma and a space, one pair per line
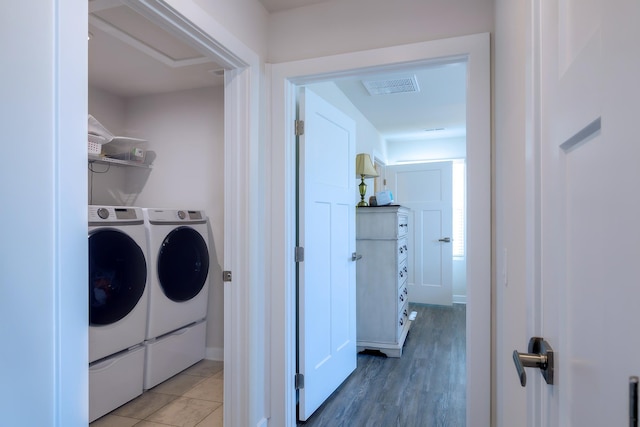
381, 279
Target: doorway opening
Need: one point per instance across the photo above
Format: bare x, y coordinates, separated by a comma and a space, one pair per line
240, 67
286, 78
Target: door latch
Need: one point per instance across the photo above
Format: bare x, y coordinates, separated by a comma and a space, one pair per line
540, 356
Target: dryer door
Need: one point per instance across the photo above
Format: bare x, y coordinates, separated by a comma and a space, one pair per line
117, 275
183, 264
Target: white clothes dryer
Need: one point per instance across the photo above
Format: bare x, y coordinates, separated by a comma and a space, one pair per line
118, 302
178, 291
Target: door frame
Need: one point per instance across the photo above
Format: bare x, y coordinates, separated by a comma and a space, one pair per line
285, 77
242, 190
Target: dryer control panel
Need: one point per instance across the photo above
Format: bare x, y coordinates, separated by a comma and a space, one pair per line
174, 216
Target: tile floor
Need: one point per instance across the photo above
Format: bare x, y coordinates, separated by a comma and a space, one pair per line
193, 398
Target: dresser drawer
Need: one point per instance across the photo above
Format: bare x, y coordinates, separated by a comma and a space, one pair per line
403, 225
388, 222
403, 272
403, 318
403, 296
402, 249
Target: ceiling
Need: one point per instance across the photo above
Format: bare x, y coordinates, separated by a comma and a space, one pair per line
130, 56
436, 110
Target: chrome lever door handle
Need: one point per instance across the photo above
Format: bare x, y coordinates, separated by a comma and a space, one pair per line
355, 256
445, 240
540, 356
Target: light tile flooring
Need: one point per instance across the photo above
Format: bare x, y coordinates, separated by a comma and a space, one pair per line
193, 398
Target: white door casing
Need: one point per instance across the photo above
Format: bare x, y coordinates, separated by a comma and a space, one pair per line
426, 189
326, 278
284, 78
583, 94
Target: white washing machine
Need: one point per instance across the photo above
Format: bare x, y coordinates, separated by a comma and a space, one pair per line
178, 291
118, 302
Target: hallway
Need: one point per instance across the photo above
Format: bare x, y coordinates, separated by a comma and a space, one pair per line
425, 387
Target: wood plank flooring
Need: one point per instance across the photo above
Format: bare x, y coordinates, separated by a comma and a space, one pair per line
424, 388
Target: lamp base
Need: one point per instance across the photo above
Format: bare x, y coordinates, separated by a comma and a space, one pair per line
363, 190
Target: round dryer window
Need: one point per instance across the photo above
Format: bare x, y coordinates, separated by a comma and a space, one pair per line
183, 264
117, 276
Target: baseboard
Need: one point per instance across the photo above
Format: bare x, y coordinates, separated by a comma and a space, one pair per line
215, 353
459, 299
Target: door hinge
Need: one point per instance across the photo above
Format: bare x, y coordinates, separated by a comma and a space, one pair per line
226, 276
299, 380
299, 127
299, 254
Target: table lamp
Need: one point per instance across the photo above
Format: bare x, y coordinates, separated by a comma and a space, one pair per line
364, 169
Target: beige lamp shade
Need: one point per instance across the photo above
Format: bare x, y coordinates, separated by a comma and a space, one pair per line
364, 166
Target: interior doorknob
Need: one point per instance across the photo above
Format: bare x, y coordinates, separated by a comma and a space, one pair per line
445, 240
540, 356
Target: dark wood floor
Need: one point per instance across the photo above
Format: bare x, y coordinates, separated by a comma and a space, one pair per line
424, 388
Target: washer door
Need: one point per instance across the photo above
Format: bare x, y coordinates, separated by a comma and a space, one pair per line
183, 264
117, 276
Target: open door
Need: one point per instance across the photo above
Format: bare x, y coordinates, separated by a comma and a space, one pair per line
326, 231
586, 295
426, 189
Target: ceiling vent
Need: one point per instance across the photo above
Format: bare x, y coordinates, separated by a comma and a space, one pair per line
395, 85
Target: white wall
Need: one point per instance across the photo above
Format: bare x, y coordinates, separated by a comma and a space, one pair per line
43, 286
246, 19
427, 150
350, 25
185, 131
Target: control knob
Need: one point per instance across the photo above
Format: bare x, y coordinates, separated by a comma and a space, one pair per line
103, 213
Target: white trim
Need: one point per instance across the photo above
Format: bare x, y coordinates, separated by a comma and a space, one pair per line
476, 50
459, 299
243, 298
69, 219
144, 48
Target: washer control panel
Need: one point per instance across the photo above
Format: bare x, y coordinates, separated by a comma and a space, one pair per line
101, 214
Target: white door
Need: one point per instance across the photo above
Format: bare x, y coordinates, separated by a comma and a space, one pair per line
588, 292
426, 189
326, 231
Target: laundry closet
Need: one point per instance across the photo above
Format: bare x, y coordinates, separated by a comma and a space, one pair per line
167, 100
